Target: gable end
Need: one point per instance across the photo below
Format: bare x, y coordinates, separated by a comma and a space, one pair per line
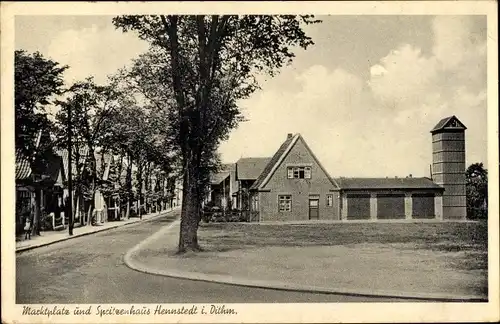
281, 158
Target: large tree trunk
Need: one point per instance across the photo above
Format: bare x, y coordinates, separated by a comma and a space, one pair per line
190, 211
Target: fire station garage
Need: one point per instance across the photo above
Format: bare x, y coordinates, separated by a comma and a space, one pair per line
390, 198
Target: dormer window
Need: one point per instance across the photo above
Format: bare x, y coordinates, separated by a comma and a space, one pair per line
299, 172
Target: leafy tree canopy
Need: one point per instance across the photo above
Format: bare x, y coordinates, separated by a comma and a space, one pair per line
477, 191
37, 81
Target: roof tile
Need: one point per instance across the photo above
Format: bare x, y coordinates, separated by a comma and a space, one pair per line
445, 121
272, 162
23, 169
250, 168
386, 183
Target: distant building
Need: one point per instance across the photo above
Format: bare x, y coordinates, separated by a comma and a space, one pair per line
292, 185
49, 179
248, 171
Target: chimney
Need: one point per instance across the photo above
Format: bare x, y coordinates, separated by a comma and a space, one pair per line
289, 136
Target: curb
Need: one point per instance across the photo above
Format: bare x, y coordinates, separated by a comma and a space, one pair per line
277, 285
31, 247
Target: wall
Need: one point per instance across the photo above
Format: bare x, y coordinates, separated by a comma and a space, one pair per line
299, 189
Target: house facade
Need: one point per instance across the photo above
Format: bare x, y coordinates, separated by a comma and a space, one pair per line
49, 180
294, 186
247, 172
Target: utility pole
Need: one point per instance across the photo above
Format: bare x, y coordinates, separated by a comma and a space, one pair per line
70, 176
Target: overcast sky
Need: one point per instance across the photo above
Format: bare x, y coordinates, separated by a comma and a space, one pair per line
364, 97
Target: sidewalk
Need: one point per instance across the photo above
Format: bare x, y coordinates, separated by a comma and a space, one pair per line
365, 269
50, 237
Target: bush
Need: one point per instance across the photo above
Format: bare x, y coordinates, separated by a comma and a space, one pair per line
217, 215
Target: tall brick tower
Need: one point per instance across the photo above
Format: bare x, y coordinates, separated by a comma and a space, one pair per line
448, 165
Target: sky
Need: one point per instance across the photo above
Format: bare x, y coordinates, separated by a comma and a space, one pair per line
364, 97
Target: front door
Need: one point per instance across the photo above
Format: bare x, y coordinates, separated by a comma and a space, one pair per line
313, 208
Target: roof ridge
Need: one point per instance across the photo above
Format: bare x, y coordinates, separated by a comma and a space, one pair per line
277, 159
445, 121
274, 159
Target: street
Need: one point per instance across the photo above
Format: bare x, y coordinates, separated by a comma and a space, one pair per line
90, 269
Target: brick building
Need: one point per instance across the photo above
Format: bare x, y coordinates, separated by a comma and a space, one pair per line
292, 185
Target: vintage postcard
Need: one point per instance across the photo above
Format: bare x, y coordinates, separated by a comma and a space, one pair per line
249, 162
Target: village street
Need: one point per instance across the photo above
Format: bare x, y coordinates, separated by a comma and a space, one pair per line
90, 269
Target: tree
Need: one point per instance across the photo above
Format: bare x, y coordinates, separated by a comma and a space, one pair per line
37, 81
211, 63
91, 105
477, 191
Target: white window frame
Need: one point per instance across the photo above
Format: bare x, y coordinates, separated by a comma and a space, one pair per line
287, 203
294, 172
307, 172
329, 200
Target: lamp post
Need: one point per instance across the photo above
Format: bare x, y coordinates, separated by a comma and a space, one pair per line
70, 176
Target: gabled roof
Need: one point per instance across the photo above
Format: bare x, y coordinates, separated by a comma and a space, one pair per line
23, 169
218, 177
278, 158
250, 168
55, 166
64, 154
386, 183
451, 122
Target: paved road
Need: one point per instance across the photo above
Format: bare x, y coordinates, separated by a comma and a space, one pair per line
90, 269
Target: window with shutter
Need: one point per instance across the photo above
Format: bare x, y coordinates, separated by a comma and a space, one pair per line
284, 203
329, 200
299, 172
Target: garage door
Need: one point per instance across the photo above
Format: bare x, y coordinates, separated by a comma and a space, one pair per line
390, 206
358, 206
423, 206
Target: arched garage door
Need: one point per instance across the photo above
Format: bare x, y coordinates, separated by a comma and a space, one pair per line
358, 206
390, 206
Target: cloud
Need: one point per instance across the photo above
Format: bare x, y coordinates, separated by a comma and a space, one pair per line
332, 111
380, 126
457, 42
94, 51
377, 70
450, 81
407, 75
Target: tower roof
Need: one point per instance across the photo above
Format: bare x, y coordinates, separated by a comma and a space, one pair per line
451, 122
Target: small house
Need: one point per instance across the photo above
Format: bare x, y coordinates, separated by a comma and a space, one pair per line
294, 186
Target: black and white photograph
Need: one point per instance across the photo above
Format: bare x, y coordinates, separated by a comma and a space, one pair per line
203, 163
